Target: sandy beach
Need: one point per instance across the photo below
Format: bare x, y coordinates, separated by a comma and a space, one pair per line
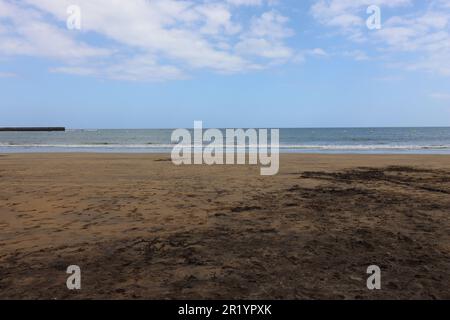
141, 228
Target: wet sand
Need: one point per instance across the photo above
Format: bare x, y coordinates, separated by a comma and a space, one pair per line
141, 228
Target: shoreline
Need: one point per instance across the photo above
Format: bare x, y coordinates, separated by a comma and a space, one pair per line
139, 151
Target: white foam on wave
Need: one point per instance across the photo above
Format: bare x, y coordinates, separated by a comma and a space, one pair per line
285, 146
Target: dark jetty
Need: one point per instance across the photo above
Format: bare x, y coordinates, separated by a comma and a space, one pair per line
34, 129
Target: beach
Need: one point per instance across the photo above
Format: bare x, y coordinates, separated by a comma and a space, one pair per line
140, 227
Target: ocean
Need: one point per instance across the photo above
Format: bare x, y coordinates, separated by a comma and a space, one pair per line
332, 140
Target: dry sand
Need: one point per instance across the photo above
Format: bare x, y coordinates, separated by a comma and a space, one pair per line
141, 228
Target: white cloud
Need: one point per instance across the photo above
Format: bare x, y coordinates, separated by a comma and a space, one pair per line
318, 52
7, 75
265, 37
423, 35
245, 2
27, 34
263, 48
346, 14
271, 24
440, 96
357, 55
158, 39
135, 69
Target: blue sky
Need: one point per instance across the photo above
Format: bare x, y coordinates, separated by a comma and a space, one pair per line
233, 63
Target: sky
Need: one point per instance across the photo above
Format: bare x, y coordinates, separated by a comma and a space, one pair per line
229, 63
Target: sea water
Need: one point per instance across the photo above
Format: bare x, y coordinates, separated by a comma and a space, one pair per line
314, 140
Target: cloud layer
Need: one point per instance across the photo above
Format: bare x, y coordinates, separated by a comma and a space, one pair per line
146, 40
421, 35
161, 40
